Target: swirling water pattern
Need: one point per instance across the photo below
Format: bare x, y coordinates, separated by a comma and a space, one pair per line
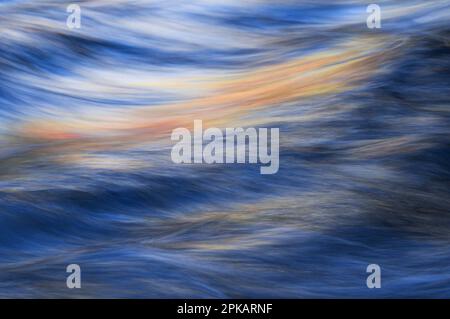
85, 169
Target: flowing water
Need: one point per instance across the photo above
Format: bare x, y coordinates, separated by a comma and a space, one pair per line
86, 175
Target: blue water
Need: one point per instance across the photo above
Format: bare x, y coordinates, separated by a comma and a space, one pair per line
86, 175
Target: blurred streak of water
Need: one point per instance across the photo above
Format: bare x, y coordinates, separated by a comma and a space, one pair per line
85, 170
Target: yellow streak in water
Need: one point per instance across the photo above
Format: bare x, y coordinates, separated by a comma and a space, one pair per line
231, 96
